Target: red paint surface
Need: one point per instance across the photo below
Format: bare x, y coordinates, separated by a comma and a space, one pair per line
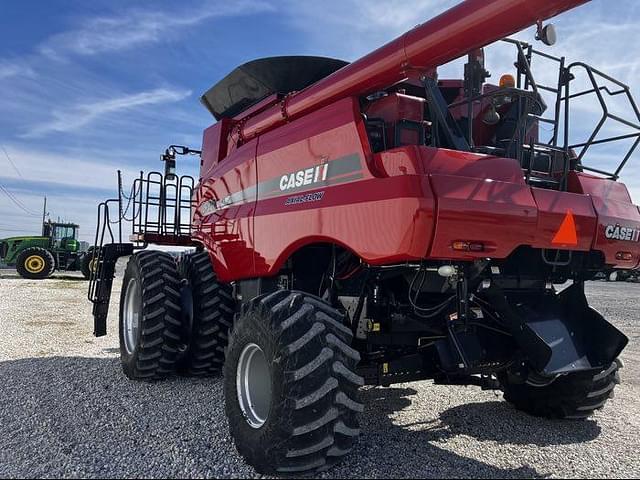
410, 203
228, 233
404, 204
612, 204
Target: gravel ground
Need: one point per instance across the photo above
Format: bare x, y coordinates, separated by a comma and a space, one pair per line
66, 410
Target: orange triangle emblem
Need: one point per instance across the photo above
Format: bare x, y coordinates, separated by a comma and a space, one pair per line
566, 234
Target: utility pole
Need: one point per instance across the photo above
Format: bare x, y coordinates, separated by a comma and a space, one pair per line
44, 214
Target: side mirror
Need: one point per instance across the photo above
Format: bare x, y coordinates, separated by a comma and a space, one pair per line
547, 34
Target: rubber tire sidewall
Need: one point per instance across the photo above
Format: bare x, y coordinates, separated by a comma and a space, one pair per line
129, 360
273, 425
564, 398
44, 254
311, 332
85, 263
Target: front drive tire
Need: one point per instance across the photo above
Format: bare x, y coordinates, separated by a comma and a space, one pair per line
575, 396
291, 386
150, 316
35, 263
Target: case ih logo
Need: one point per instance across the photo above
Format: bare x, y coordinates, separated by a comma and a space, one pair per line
616, 232
304, 177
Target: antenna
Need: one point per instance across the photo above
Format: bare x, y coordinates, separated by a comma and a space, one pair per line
44, 214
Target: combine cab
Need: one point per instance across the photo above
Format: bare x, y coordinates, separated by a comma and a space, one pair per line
372, 223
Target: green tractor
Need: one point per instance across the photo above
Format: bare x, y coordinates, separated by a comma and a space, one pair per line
38, 257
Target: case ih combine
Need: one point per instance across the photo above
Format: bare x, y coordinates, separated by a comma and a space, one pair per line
371, 223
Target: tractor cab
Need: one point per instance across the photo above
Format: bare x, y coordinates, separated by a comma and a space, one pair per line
63, 236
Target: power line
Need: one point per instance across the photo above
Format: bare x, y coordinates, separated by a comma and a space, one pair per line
11, 162
17, 202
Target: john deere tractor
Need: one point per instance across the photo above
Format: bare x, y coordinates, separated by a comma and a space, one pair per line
38, 257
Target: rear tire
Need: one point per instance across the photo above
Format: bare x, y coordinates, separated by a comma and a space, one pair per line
575, 396
35, 263
149, 316
88, 264
211, 316
309, 420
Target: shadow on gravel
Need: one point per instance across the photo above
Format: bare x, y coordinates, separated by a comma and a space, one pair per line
14, 276
495, 421
80, 417
413, 450
489, 421
69, 278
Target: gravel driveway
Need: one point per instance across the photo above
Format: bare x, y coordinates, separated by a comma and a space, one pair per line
66, 410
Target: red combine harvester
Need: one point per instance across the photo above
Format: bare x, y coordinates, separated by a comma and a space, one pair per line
369, 224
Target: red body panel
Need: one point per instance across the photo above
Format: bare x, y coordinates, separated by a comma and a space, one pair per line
481, 211
397, 216
228, 232
612, 203
298, 171
553, 208
406, 204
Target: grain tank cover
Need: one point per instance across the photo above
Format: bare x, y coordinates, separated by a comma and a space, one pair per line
257, 79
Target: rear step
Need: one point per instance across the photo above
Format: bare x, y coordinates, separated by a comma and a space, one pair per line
101, 282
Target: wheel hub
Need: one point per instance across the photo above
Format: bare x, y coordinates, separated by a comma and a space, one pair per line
131, 320
34, 264
253, 383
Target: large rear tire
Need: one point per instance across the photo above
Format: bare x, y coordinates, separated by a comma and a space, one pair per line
35, 263
291, 385
150, 316
575, 396
211, 316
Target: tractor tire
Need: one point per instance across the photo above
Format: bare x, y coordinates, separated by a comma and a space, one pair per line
574, 397
87, 265
210, 317
291, 387
35, 263
150, 326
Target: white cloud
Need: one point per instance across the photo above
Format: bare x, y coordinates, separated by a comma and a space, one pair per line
74, 183
351, 28
69, 119
63, 170
15, 69
137, 27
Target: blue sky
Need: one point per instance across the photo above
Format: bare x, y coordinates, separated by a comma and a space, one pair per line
90, 87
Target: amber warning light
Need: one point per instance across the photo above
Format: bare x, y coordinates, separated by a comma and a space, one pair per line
468, 246
507, 81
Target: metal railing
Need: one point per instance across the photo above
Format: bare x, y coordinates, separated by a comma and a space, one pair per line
560, 153
158, 210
